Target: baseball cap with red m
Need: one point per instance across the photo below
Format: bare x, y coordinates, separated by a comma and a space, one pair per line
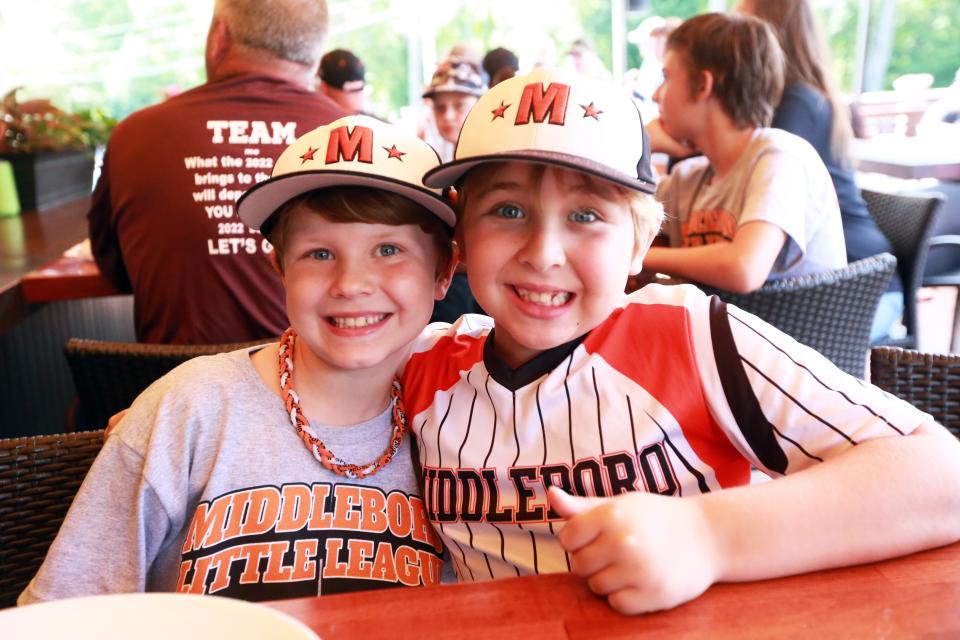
352, 151
554, 117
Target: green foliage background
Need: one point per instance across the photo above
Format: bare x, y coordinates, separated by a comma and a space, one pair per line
121, 55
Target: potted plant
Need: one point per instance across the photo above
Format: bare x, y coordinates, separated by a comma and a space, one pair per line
51, 150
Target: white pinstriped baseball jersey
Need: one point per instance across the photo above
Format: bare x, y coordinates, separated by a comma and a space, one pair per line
675, 393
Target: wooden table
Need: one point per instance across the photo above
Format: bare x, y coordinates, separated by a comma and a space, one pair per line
908, 597
29, 241
909, 157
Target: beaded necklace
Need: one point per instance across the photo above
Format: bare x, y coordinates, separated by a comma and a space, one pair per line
299, 421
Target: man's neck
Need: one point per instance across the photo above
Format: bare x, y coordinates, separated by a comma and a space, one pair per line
723, 144
243, 61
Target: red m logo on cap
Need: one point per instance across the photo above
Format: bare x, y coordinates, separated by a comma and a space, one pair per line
350, 145
541, 103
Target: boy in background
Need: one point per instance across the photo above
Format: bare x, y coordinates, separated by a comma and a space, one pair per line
655, 404
217, 481
759, 204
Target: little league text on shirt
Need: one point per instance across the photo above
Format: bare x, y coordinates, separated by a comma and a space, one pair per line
290, 533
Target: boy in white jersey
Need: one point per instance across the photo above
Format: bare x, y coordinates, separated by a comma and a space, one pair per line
664, 395
285, 471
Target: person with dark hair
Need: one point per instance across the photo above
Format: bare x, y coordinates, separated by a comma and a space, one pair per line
758, 204
811, 109
454, 88
343, 79
500, 64
197, 273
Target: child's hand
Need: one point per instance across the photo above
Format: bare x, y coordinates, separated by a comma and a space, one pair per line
661, 142
113, 422
642, 552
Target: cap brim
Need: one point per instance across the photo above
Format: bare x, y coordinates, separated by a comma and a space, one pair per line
262, 200
452, 88
450, 173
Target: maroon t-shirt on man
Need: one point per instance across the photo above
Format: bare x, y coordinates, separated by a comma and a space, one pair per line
163, 222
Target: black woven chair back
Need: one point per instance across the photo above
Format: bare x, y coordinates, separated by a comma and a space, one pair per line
830, 311
928, 381
907, 221
108, 376
39, 477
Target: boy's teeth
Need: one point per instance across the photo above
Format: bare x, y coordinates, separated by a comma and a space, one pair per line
544, 298
358, 322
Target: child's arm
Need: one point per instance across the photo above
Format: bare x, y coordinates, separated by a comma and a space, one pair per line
111, 533
883, 498
661, 142
740, 266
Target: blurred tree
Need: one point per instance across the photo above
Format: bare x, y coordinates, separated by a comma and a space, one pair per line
926, 39
121, 55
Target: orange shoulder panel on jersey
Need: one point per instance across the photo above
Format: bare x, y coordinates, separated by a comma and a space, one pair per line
438, 369
662, 362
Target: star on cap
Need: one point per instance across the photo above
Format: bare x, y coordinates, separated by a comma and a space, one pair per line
498, 112
308, 155
590, 111
393, 152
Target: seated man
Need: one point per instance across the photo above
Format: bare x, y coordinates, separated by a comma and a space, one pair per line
162, 219
759, 203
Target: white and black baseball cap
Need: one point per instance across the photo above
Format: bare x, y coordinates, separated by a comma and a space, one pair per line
456, 75
352, 151
556, 117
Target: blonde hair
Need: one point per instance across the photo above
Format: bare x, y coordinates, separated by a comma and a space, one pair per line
292, 30
647, 212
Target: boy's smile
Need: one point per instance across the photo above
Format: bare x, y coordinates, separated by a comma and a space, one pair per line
547, 256
358, 293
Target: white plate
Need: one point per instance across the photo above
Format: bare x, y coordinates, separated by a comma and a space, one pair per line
150, 616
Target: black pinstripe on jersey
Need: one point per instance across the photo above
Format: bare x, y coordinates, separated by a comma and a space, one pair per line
687, 382
747, 411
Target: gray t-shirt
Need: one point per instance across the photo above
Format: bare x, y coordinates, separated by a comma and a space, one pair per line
778, 179
205, 487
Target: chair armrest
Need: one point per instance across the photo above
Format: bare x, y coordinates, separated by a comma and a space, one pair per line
945, 240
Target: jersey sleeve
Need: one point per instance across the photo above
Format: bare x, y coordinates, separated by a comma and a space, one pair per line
784, 406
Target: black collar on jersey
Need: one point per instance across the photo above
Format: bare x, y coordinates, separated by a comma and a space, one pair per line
545, 362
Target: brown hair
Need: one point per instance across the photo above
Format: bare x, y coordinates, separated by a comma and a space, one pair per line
361, 204
807, 57
647, 212
742, 54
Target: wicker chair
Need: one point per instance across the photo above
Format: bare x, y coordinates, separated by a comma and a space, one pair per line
907, 221
946, 273
930, 382
39, 475
109, 375
831, 311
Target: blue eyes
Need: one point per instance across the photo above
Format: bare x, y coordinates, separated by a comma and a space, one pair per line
514, 212
509, 211
383, 250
